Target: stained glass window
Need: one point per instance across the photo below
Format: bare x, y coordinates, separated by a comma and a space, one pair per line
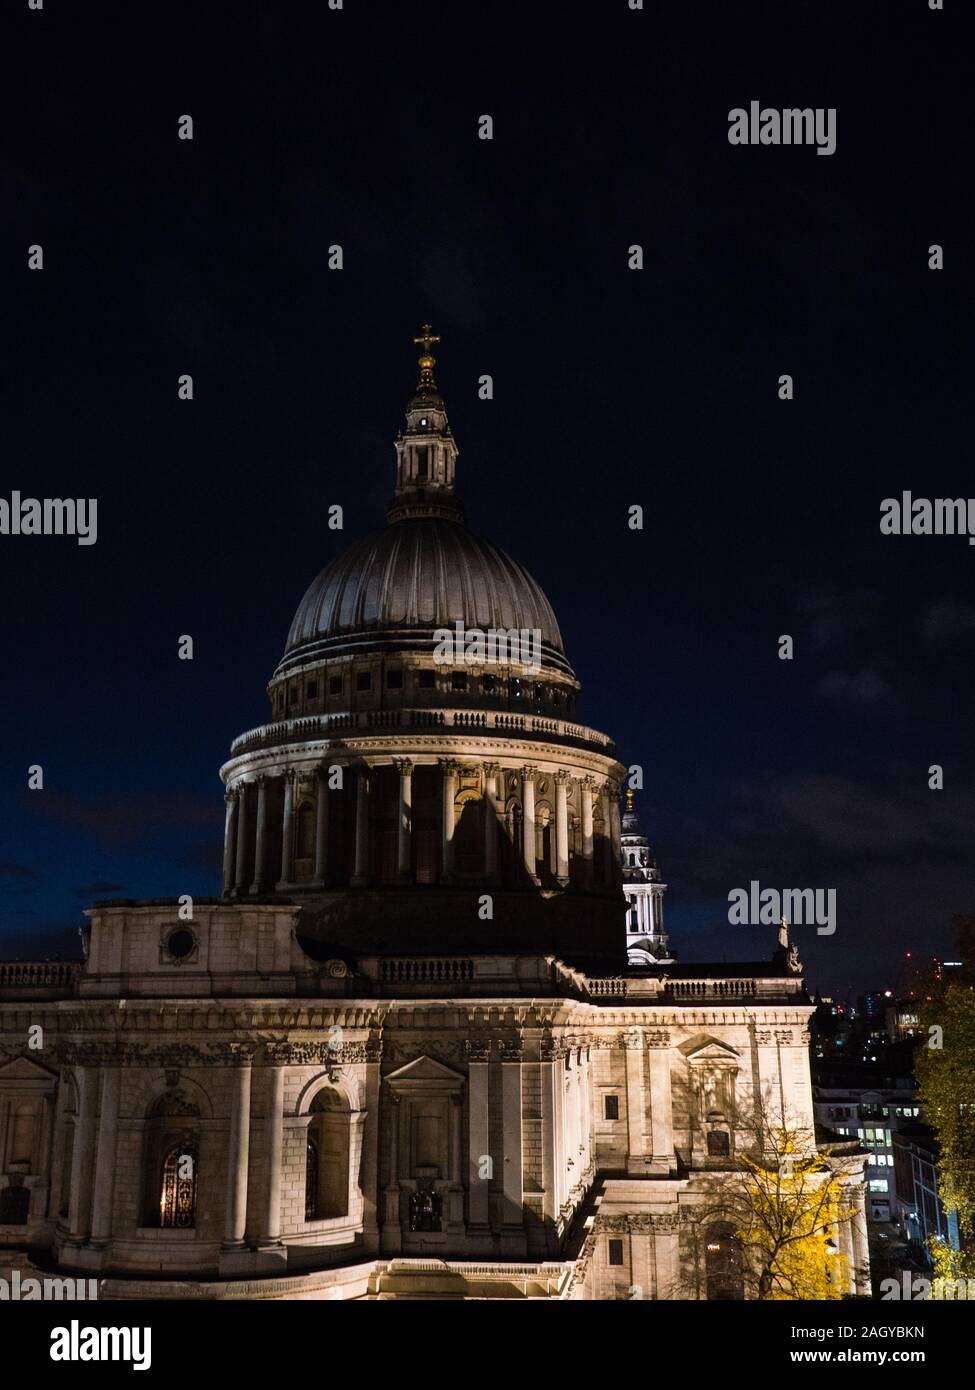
177, 1197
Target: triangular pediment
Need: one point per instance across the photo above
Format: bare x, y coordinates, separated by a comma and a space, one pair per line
426, 1069
704, 1048
24, 1069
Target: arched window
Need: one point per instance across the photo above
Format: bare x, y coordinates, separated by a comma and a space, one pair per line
328, 1132
177, 1188
311, 1180
170, 1162
723, 1263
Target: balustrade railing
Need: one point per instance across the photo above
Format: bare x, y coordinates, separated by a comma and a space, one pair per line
325, 725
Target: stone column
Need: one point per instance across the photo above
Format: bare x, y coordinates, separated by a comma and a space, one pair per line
604, 801
585, 795
404, 855
615, 840
288, 828
274, 1139
548, 1069
238, 1157
559, 1154
392, 1229
357, 1131
449, 795
321, 827
229, 842
661, 1107
241, 882
84, 1129
587, 1109
260, 844
666, 1258
455, 1141
477, 1138
861, 1248
636, 1105
360, 873
105, 1158
491, 771
528, 821
562, 827
511, 1177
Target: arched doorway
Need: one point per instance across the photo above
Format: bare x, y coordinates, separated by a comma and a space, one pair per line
723, 1263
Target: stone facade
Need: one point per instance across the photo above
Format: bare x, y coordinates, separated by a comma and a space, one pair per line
519, 1105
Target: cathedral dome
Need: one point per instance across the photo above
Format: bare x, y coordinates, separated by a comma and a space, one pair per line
419, 574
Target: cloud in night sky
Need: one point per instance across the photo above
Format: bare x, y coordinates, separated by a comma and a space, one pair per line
943, 621
16, 879
866, 687
119, 821
833, 617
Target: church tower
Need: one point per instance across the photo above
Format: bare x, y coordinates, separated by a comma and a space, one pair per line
646, 940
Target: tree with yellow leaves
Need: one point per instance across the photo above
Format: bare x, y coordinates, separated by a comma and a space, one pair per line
944, 1064
785, 1203
792, 1204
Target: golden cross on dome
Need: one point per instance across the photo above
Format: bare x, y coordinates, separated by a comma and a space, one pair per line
629, 798
426, 339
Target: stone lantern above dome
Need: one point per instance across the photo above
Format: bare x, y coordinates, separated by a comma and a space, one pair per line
397, 759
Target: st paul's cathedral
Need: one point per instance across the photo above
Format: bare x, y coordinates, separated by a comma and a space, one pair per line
422, 1046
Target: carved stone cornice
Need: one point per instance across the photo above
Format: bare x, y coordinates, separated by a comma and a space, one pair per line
169, 1056
407, 1049
638, 1221
324, 1053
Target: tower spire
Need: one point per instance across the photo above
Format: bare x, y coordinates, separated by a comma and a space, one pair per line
425, 449
425, 339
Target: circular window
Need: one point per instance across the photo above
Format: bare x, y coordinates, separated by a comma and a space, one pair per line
180, 943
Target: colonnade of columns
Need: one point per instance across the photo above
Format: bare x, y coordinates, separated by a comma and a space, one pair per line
246, 866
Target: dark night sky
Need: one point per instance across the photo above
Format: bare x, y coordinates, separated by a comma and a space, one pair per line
612, 387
